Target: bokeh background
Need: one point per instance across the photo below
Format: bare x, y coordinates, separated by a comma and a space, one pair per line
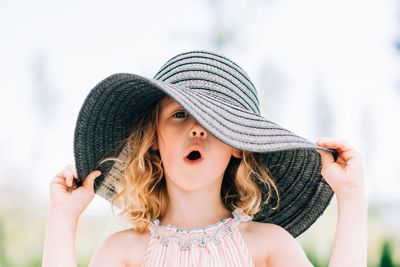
321, 68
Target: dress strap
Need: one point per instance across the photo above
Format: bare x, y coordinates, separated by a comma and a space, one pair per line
241, 216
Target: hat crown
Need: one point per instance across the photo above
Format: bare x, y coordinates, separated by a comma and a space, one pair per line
214, 74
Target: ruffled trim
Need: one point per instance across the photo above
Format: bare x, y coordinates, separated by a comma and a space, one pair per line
188, 236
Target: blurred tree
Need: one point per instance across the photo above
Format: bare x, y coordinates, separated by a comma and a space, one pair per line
386, 257
397, 42
273, 90
222, 33
44, 98
35, 263
368, 137
3, 261
313, 258
45, 103
229, 22
322, 111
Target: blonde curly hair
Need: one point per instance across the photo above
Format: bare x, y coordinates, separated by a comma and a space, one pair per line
140, 188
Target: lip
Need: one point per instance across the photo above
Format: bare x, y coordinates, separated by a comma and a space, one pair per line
193, 162
190, 149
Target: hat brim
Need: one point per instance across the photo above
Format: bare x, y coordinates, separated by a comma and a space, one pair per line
110, 110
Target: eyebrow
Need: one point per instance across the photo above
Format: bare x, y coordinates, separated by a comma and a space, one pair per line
173, 104
171, 107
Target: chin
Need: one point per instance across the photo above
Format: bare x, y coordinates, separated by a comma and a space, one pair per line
192, 184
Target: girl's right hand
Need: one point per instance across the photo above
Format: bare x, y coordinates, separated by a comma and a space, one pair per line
66, 197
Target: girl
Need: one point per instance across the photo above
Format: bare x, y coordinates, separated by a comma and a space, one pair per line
202, 177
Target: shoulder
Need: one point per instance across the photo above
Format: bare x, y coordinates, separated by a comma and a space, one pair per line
122, 248
275, 243
264, 235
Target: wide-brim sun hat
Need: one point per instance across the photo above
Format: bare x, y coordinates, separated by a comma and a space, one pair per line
218, 94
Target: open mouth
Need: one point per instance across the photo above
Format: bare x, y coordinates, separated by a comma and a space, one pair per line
194, 155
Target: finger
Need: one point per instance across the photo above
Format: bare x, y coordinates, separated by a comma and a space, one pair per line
59, 178
346, 151
73, 170
335, 143
68, 176
89, 180
326, 156
58, 181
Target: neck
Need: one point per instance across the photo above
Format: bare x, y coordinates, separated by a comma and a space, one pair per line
194, 209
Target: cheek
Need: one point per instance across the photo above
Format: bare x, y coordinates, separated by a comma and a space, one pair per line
169, 150
220, 159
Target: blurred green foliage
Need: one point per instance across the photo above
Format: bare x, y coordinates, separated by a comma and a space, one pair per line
387, 254
22, 233
385, 261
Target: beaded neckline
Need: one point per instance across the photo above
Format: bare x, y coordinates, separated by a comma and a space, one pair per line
188, 236
237, 214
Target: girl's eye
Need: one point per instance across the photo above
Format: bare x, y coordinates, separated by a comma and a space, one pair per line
180, 114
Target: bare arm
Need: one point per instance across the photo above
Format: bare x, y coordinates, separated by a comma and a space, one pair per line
346, 178
286, 250
350, 246
67, 202
59, 241
112, 251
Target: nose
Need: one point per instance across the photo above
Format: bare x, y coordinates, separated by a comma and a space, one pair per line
198, 131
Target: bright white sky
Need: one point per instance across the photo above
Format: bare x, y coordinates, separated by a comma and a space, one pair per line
348, 47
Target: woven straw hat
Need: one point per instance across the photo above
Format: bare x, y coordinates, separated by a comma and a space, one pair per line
221, 97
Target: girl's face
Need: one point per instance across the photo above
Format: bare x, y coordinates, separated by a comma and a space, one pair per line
177, 135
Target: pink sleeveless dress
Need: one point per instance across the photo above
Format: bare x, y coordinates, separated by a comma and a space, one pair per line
218, 244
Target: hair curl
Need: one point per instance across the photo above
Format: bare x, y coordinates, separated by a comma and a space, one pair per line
141, 190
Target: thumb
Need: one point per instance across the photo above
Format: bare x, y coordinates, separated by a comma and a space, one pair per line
88, 183
326, 156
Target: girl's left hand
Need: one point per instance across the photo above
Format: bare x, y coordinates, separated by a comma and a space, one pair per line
345, 176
